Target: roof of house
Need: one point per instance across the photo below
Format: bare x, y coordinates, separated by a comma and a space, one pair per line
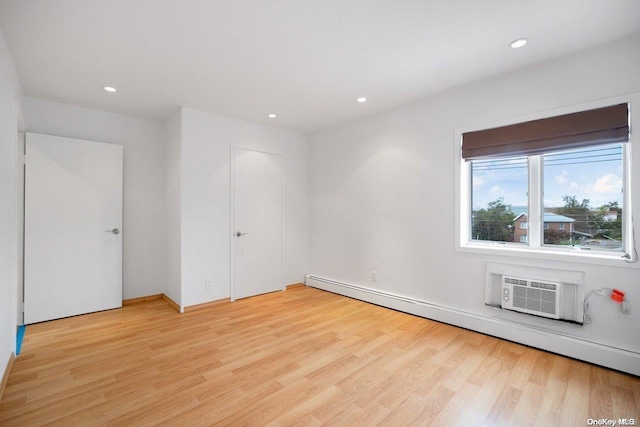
550, 217
519, 210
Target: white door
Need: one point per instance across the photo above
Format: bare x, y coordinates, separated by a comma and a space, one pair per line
73, 227
258, 223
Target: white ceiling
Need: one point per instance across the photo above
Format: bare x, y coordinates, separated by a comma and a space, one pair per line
305, 60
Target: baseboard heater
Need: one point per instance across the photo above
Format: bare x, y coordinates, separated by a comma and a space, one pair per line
310, 278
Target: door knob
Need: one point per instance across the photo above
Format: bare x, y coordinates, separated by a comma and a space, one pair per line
240, 234
114, 231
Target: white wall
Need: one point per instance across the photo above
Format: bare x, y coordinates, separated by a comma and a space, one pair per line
173, 286
205, 167
144, 239
382, 192
11, 98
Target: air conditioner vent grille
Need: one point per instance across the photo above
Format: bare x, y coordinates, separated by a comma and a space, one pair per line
531, 296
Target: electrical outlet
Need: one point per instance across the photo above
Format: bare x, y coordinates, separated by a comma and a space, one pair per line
374, 276
208, 284
625, 310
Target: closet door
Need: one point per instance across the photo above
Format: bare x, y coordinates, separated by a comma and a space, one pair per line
73, 227
258, 220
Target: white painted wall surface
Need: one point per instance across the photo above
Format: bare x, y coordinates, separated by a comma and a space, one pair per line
144, 239
172, 214
11, 98
205, 168
382, 192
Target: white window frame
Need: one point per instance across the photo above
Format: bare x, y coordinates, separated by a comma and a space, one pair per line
524, 225
535, 248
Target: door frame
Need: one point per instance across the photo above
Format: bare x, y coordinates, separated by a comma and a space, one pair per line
22, 147
232, 211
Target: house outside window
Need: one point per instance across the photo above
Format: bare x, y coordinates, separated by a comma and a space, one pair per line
520, 230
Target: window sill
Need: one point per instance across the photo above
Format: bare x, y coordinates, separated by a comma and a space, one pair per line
552, 254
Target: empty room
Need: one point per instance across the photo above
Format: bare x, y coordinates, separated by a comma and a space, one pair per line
350, 213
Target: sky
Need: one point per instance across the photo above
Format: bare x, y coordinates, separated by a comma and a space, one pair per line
593, 173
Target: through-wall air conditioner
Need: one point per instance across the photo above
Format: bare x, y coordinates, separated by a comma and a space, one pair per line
532, 296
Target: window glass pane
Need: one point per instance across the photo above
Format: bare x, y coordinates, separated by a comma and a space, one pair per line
499, 200
583, 204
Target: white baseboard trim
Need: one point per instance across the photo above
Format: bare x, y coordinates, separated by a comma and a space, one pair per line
599, 354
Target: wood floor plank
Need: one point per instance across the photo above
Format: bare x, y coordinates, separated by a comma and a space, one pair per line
622, 401
418, 410
576, 410
523, 369
459, 411
370, 415
464, 362
492, 388
550, 413
308, 406
529, 405
299, 357
504, 407
600, 396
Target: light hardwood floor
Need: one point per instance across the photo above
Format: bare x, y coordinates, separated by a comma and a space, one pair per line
302, 356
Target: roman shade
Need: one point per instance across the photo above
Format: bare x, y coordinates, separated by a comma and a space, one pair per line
569, 131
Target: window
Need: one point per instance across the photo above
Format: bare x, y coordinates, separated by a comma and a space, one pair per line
493, 210
550, 184
580, 188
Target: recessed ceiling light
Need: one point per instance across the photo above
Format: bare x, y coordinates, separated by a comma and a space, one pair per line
518, 43
109, 88
271, 116
362, 99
